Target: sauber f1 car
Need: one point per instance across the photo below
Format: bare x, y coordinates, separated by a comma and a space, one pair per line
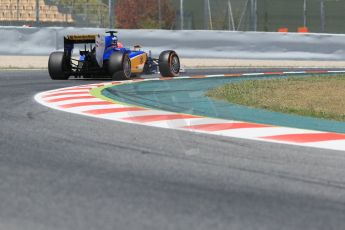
104, 56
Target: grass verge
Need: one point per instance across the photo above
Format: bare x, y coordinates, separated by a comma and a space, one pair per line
320, 96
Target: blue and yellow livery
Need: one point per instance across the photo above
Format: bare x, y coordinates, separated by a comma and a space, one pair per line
105, 56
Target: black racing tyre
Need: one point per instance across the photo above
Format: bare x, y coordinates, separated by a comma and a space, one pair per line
119, 66
169, 64
57, 66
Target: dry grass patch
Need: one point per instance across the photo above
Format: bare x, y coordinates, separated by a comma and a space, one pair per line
321, 96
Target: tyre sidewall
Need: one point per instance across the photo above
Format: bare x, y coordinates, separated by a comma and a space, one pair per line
57, 66
116, 66
165, 62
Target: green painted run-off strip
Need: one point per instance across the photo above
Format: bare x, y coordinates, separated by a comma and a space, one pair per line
188, 96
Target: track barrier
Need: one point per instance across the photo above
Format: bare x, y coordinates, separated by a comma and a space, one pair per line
188, 43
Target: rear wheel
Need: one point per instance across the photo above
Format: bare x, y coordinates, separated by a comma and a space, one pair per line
169, 64
57, 66
119, 66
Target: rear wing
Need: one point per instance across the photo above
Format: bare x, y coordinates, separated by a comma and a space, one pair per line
70, 40
80, 39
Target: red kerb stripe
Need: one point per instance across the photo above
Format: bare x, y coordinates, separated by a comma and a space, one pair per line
112, 110
307, 137
233, 75
139, 79
81, 104
69, 98
165, 117
63, 93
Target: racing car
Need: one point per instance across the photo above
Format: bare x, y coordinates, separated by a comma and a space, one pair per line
105, 56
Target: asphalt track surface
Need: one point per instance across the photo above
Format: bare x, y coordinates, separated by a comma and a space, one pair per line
64, 171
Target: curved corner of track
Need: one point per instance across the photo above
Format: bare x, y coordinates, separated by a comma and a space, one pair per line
88, 100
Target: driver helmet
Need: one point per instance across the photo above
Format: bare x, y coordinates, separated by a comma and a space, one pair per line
114, 41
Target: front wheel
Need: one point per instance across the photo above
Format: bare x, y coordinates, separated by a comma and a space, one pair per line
57, 67
119, 66
169, 64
